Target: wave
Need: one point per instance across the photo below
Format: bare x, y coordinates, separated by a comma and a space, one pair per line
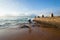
8, 22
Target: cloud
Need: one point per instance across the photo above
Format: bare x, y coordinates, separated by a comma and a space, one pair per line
13, 8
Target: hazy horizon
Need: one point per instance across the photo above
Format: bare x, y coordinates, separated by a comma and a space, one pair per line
29, 7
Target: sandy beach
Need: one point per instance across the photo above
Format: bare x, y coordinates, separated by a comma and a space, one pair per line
29, 19
35, 33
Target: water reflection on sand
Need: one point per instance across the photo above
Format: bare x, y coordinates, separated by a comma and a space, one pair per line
32, 33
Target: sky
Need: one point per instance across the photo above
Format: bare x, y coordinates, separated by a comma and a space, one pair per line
29, 7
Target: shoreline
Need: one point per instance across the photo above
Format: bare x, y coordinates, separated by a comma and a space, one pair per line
35, 33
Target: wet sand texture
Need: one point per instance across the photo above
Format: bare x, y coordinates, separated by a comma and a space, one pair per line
33, 33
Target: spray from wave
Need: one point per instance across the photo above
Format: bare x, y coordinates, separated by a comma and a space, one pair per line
7, 22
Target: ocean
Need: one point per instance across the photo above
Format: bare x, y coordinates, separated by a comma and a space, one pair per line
9, 22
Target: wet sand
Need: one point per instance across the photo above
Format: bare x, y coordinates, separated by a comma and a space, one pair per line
35, 33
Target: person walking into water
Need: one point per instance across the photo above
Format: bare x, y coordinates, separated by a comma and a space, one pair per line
29, 20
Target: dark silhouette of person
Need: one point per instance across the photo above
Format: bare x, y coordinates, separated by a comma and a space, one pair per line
29, 21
